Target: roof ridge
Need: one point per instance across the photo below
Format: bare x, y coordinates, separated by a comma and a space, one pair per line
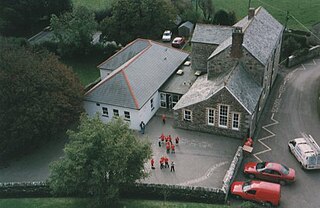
130, 89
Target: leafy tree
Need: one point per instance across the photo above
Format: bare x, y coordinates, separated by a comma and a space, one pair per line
290, 45
23, 17
133, 19
74, 31
99, 159
224, 18
39, 97
207, 9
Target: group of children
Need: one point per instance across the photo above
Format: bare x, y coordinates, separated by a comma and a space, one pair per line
164, 163
168, 142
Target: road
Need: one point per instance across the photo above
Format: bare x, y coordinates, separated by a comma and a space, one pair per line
291, 112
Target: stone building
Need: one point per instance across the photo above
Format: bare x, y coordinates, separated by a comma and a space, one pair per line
241, 69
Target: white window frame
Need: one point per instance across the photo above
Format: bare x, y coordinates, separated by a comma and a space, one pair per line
225, 116
151, 104
163, 100
114, 113
127, 116
105, 112
187, 117
210, 116
233, 121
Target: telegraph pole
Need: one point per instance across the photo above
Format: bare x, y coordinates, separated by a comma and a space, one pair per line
287, 19
249, 5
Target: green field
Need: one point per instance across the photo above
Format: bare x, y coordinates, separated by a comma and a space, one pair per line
93, 4
85, 203
305, 11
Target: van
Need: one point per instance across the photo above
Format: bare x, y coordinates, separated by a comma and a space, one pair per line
306, 151
260, 191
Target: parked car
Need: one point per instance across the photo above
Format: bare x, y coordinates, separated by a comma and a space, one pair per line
259, 191
167, 35
270, 171
178, 42
307, 152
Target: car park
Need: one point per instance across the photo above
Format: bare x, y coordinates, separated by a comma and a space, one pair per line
259, 191
167, 35
178, 42
270, 171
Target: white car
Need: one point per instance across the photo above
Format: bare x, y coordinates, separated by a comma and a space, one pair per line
167, 35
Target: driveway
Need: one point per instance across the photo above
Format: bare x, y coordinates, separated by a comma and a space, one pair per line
293, 111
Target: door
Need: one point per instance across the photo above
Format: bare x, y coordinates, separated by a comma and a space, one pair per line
170, 101
163, 100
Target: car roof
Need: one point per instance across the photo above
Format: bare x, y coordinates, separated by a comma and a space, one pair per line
167, 31
265, 185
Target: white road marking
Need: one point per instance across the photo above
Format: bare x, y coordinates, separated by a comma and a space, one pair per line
304, 68
267, 137
205, 176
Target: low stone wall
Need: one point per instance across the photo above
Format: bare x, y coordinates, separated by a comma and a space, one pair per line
232, 171
295, 60
175, 192
27, 189
142, 191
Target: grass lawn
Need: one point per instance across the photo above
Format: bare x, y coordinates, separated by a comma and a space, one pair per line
93, 4
306, 11
85, 203
85, 68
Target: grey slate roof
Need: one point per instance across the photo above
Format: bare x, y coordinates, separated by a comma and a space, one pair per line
128, 52
261, 34
133, 83
237, 81
211, 34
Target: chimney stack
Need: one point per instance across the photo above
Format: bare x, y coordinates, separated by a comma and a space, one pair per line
237, 40
251, 13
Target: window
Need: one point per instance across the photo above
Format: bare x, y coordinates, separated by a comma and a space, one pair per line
175, 99
105, 112
151, 103
98, 104
210, 116
163, 101
116, 112
223, 116
253, 192
235, 121
187, 115
127, 116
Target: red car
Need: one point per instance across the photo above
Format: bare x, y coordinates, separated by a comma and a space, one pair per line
259, 191
269, 171
178, 42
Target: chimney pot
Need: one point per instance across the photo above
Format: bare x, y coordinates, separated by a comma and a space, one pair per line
251, 12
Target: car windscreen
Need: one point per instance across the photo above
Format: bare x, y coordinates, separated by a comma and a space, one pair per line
246, 186
284, 169
261, 165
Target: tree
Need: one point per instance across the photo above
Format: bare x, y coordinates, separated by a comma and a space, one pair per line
24, 17
224, 18
207, 9
74, 31
99, 159
39, 97
133, 19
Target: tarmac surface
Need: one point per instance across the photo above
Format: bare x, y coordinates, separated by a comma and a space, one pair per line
200, 159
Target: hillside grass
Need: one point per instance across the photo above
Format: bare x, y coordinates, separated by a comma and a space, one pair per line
86, 203
93, 4
305, 11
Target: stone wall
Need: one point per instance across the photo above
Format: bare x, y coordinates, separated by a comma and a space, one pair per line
143, 191
199, 55
223, 61
200, 120
232, 171
175, 192
312, 53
